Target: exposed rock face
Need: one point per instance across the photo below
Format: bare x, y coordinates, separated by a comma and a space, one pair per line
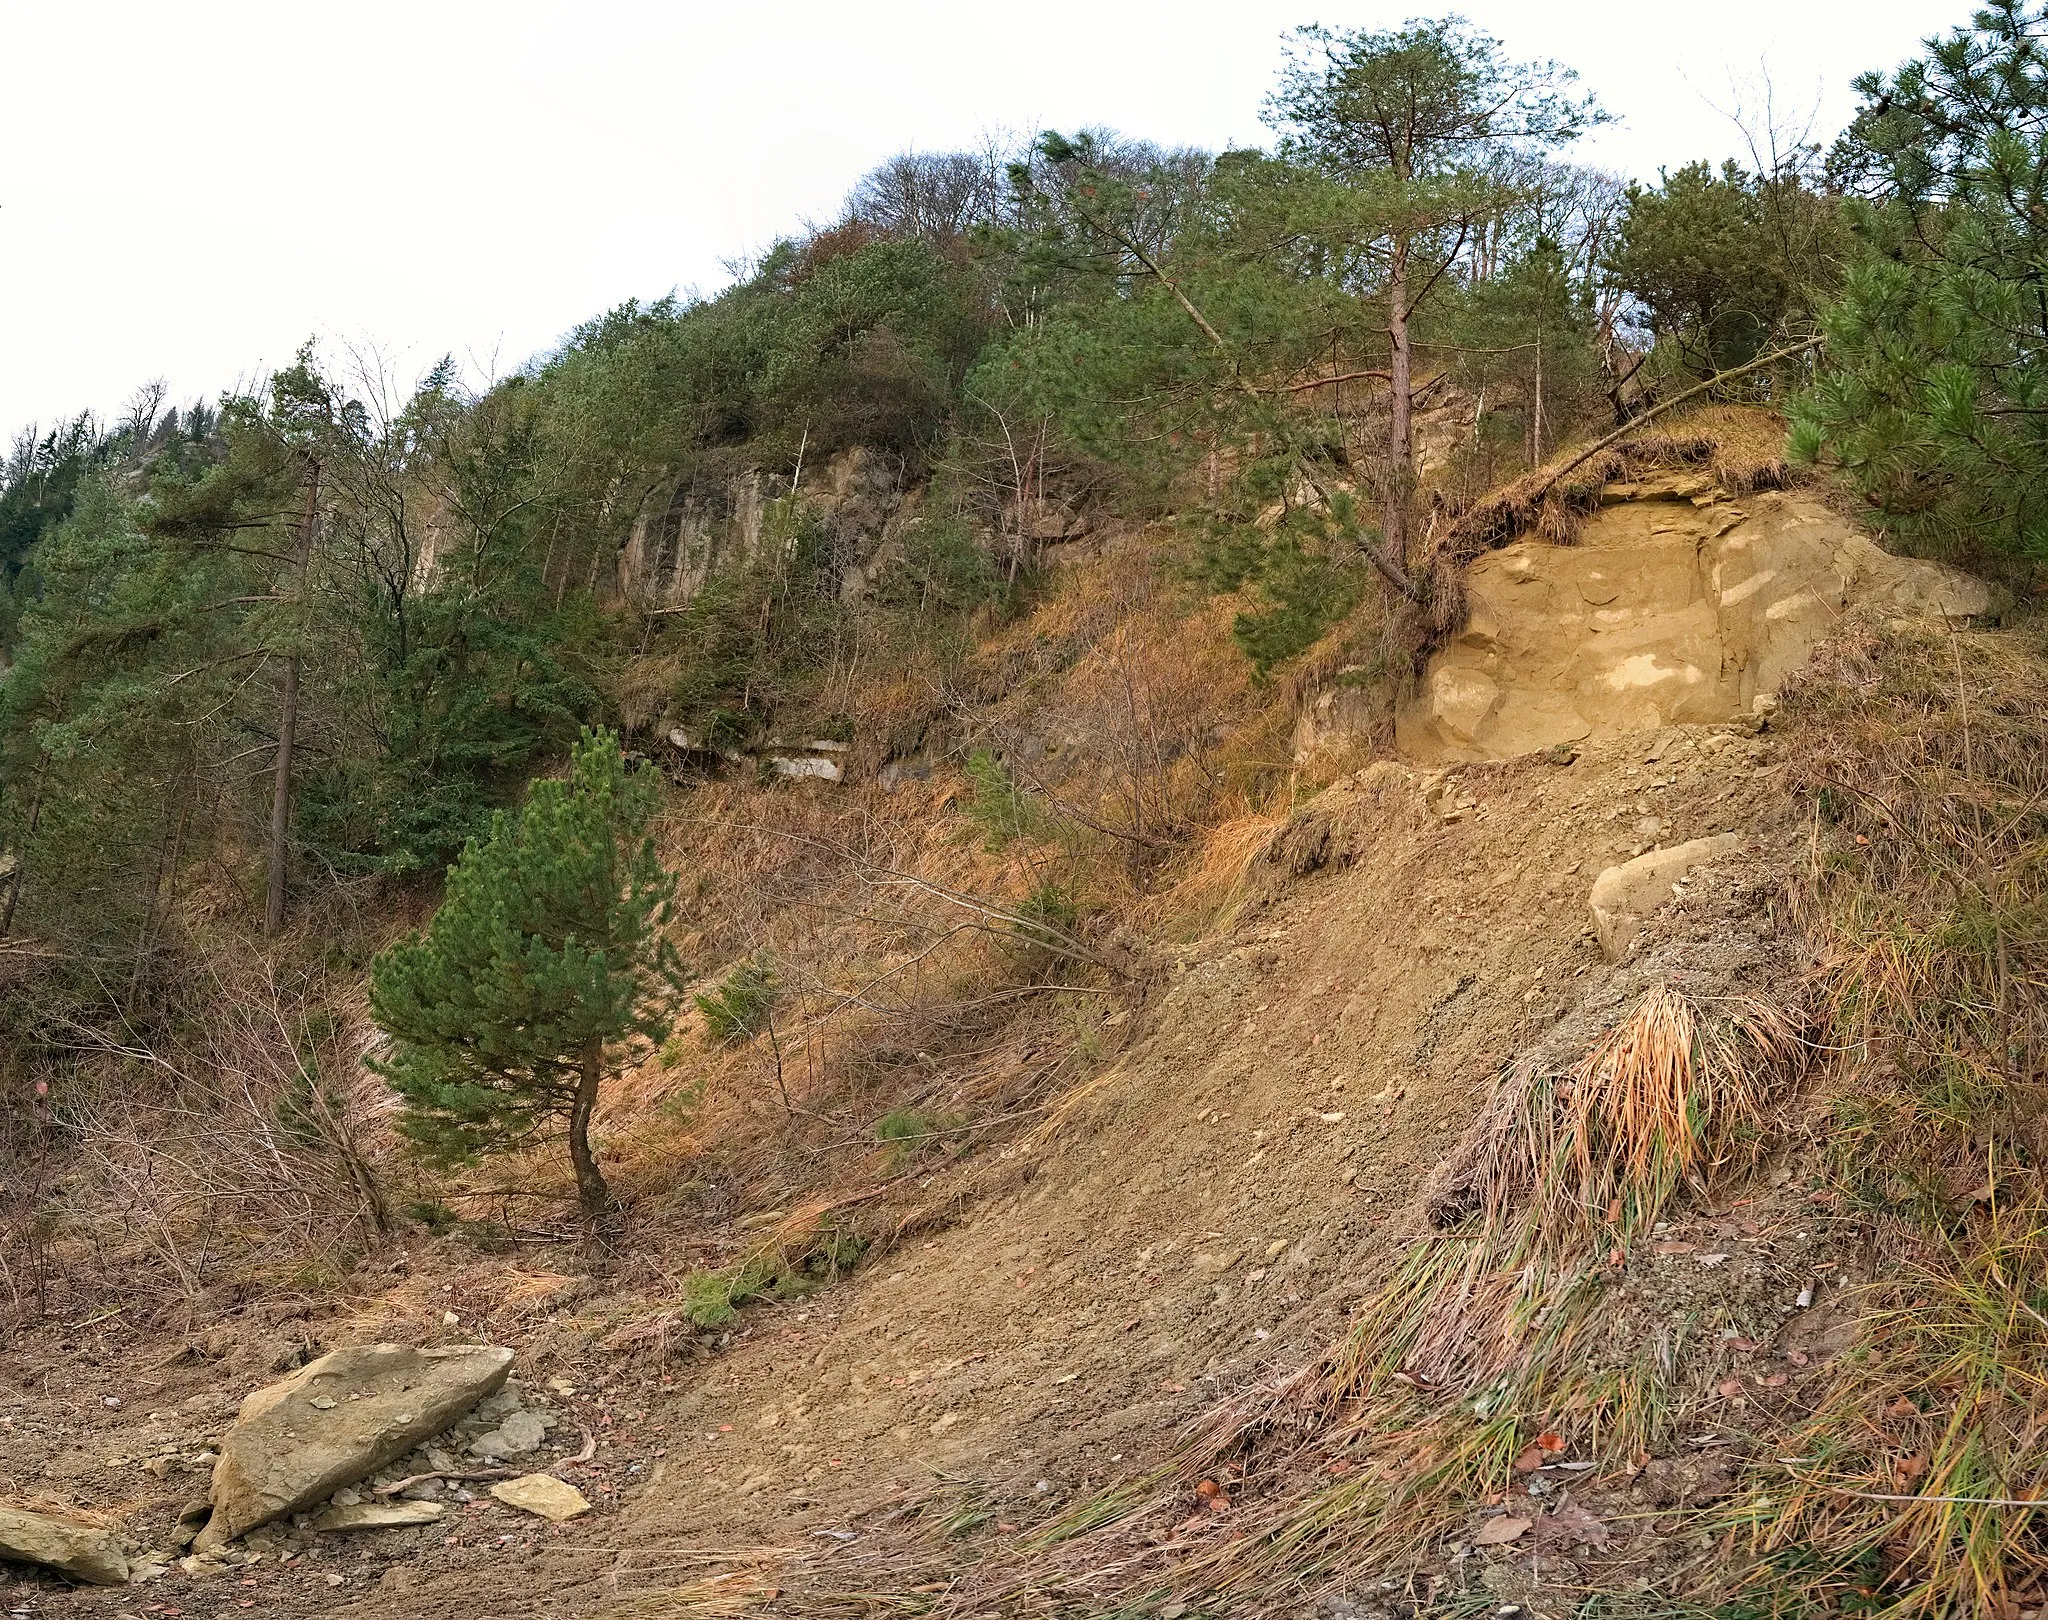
1677, 607
71, 1547
335, 1421
702, 529
1623, 896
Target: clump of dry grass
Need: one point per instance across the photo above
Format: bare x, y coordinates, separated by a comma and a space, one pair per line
1499, 1328
1553, 509
1919, 1484
1909, 1489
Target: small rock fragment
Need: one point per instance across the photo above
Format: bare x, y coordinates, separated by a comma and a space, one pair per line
379, 1515
543, 1494
520, 1432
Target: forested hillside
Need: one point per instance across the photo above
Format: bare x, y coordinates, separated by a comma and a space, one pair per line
412, 597
780, 750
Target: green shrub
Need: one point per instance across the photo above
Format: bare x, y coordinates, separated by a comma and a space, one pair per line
711, 1299
739, 1009
998, 806
435, 1217
907, 1134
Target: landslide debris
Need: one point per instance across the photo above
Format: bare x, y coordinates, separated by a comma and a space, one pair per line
337, 1420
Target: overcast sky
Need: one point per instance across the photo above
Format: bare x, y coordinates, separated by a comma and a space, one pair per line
189, 190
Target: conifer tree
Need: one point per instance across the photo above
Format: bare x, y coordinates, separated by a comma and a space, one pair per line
544, 966
1933, 399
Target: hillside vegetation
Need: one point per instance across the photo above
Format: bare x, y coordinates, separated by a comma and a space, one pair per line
852, 783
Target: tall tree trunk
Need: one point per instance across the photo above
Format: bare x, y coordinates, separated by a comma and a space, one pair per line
591, 1190
1401, 432
288, 725
19, 875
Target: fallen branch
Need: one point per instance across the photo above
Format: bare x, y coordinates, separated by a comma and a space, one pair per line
1341, 377
441, 1473
1655, 411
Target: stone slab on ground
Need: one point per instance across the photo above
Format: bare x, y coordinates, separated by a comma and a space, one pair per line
1624, 896
85, 1552
337, 1420
379, 1515
544, 1494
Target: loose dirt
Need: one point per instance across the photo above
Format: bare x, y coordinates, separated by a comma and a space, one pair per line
1202, 1214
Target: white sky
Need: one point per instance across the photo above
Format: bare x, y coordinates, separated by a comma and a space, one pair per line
188, 190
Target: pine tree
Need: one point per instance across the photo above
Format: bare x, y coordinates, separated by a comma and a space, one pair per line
1933, 399
544, 966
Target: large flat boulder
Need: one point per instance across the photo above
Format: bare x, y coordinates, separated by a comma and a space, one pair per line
1624, 896
336, 1421
71, 1547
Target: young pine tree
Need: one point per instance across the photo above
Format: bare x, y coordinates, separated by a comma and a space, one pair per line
545, 965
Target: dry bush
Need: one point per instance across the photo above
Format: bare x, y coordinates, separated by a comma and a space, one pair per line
227, 1158
933, 960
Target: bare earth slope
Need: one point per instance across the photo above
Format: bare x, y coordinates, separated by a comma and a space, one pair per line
1205, 1211
1219, 1197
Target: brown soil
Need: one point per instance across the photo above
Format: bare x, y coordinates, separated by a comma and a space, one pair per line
1198, 1216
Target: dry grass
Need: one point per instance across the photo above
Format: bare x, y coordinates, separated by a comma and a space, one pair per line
234, 1158
1368, 1460
1907, 1492
1741, 447
1499, 1329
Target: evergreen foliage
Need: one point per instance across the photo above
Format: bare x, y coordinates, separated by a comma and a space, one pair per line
1934, 397
438, 588
741, 1004
1726, 264
544, 967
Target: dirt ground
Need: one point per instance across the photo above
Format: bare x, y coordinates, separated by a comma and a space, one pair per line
1200, 1216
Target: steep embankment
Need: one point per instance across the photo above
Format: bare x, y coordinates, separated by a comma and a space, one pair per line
1679, 605
1209, 1209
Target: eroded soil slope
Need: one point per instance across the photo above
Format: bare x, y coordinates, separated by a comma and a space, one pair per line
1213, 1204
1203, 1213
